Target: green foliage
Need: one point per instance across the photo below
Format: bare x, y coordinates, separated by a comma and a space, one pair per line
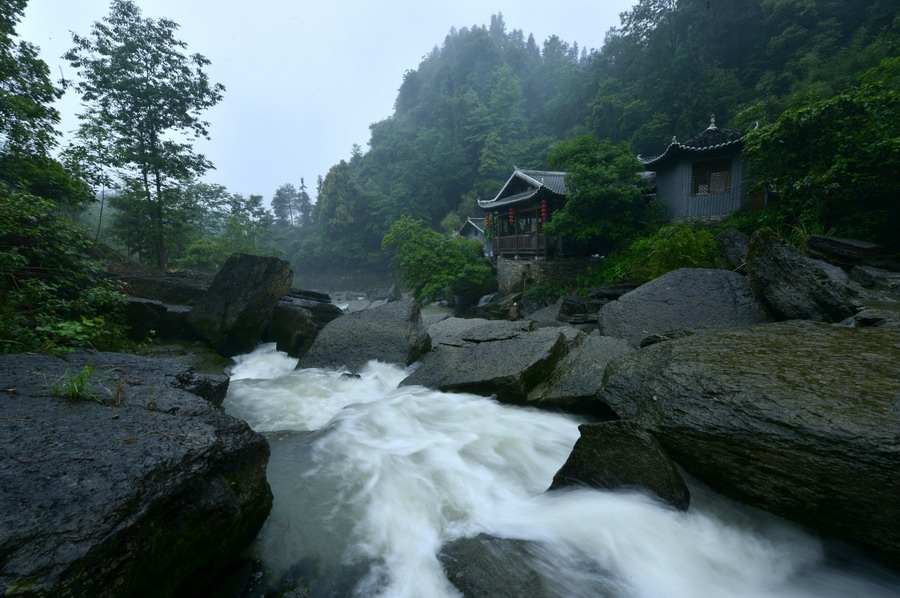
75, 385
141, 92
607, 194
670, 248
834, 162
52, 297
435, 266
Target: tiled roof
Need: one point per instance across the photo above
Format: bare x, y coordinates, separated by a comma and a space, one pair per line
535, 180
713, 138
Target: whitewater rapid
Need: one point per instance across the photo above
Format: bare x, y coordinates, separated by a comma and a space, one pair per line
371, 480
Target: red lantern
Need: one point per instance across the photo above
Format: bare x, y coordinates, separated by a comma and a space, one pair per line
544, 210
512, 216
487, 220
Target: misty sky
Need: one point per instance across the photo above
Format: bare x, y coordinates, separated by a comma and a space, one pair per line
304, 80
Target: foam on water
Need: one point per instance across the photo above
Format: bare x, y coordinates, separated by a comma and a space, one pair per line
364, 505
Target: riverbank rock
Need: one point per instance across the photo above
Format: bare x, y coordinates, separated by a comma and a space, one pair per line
733, 245
507, 359
392, 333
619, 454
793, 286
572, 386
234, 311
140, 488
694, 299
800, 419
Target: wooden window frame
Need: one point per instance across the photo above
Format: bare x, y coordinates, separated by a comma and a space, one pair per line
711, 177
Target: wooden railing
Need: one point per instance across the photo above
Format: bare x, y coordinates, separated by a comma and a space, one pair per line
521, 245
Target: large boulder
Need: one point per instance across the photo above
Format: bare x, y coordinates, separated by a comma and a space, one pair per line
488, 567
232, 314
733, 246
798, 418
292, 328
392, 333
137, 488
573, 384
619, 454
795, 286
694, 299
507, 359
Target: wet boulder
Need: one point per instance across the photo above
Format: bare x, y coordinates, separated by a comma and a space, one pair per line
233, 313
733, 246
621, 455
793, 285
800, 419
135, 486
573, 384
507, 359
292, 328
391, 333
694, 299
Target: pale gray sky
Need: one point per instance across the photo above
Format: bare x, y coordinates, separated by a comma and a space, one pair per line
304, 80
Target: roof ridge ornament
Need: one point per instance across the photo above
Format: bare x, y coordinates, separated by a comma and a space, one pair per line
712, 122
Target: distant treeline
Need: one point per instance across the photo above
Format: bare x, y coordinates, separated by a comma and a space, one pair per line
489, 98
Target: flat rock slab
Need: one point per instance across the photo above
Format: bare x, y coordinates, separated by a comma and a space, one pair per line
493, 359
144, 490
797, 418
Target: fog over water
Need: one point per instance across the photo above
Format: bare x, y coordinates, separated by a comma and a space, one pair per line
371, 480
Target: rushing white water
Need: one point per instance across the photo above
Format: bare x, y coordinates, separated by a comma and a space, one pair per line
363, 505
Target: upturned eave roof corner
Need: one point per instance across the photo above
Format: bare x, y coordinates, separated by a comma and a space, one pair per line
553, 181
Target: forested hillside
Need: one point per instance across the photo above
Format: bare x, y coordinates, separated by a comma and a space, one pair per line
490, 97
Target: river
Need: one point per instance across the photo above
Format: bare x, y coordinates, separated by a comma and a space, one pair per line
371, 480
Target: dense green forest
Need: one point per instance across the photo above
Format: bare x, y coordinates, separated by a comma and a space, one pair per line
489, 98
819, 77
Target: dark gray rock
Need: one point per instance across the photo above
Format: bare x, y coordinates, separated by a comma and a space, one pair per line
619, 454
871, 277
321, 307
488, 567
797, 418
493, 358
793, 285
239, 302
458, 332
392, 333
842, 251
733, 246
610, 292
693, 299
170, 290
144, 316
573, 384
292, 328
579, 310
887, 315
145, 490
548, 315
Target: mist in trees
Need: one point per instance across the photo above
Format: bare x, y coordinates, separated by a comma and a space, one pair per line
143, 96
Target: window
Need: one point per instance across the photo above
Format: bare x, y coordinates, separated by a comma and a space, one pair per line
711, 176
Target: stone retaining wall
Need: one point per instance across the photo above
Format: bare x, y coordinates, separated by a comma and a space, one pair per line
514, 276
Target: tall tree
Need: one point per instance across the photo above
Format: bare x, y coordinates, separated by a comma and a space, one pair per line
284, 202
147, 95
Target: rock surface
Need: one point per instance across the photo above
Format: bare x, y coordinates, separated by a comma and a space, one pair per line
797, 418
239, 303
620, 455
733, 246
392, 333
292, 328
689, 299
573, 384
506, 359
794, 286
147, 490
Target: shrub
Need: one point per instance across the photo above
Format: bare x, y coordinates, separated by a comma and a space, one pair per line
52, 297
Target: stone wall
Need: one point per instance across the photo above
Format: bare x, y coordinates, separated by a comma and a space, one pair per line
513, 276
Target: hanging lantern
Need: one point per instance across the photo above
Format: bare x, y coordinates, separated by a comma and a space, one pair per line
512, 216
544, 210
487, 220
